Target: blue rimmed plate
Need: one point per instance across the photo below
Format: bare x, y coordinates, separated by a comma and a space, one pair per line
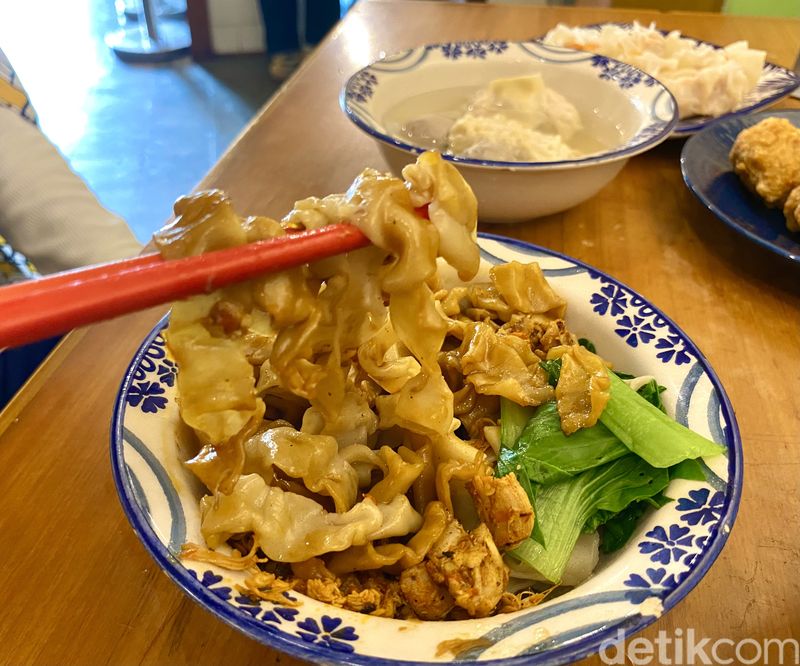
773, 85
671, 551
708, 174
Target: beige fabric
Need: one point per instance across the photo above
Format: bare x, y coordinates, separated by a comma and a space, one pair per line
46, 210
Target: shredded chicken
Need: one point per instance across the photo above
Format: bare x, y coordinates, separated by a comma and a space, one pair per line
369, 593
428, 599
503, 506
360, 601
471, 567
237, 561
267, 586
227, 316
540, 331
510, 603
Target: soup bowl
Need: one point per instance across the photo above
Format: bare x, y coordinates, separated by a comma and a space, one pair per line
624, 112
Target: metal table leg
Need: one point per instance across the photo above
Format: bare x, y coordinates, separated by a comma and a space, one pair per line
151, 40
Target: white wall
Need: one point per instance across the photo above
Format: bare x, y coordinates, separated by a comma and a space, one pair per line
235, 26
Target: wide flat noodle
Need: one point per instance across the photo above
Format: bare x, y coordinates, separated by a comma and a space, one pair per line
503, 365
216, 383
387, 361
525, 289
354, 422
320, 315
424, 405
202, 223
452, 208
292, 528
402, 469
395, 555
324, 396
583, 387
313, 458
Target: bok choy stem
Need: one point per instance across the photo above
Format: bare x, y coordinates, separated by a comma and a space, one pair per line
565, 507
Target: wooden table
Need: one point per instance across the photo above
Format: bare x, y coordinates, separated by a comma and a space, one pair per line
78, 586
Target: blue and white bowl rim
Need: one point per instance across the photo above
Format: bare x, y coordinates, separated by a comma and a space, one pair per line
296, 647
628, 150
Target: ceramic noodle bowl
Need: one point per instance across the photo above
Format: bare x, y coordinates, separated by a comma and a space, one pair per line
670, 551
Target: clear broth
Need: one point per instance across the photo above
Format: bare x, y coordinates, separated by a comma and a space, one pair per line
425, 120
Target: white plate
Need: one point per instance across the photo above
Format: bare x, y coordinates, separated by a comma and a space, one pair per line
670, 552
775, 83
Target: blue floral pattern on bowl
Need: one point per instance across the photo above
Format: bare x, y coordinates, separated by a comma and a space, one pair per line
637, 322
152, 375
668, 555
667, 545
280, 614
456, 50
362, 87
360, 95
702, 507
624, 75
654, 582
328, 632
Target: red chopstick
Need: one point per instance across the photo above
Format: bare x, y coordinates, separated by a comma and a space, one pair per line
42, 308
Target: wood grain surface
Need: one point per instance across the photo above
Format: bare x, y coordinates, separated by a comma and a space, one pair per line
78, 586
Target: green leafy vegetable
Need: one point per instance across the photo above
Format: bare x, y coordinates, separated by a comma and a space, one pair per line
553, 370
604, 477
536, 533
513, 419
618, 528
652, 393
564, 508
601, 518
691, 470
584, 342
548, 455
649, 432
